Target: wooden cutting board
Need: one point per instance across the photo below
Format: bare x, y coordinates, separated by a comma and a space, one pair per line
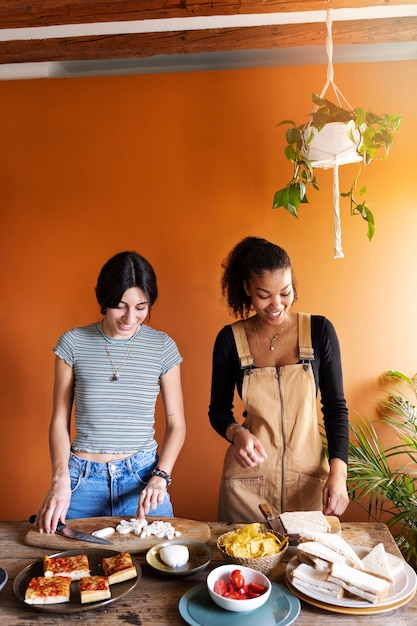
189, 529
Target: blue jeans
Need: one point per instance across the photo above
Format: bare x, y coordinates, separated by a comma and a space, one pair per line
112, 489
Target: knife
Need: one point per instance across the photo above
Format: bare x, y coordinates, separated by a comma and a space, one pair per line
274, 522
73, 533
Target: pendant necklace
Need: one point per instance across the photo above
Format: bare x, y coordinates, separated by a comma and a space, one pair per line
275, 359
271, 341
117, 370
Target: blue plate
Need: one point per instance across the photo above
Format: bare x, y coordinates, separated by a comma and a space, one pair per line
3, 578
198, 609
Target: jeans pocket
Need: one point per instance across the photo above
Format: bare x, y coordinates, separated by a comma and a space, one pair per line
76, 472
143, 470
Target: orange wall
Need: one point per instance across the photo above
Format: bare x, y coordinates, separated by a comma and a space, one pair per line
180, 167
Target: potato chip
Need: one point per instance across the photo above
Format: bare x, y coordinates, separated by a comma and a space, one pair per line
249, 542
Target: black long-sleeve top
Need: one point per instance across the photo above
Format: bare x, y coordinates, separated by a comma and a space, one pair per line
327, 369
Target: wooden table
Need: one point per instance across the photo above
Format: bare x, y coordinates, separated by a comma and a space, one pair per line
155, 600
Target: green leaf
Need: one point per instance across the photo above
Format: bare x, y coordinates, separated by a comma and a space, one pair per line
281, 198
290, 153
286, 122
292, 135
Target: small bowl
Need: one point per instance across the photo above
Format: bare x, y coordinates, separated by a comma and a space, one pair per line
250, 575
200, 557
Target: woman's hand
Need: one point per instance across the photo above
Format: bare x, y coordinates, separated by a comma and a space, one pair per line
335, 496
151, 496
248, 449
54, 507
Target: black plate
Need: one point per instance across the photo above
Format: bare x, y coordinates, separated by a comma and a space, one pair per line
118, 590
3, 578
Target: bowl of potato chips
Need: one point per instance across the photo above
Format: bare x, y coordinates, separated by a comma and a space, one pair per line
253, 546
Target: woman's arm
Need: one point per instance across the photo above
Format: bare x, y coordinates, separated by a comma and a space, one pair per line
225, 377
57, 500
172, 397
335, 417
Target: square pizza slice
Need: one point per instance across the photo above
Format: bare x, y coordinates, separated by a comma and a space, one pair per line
43, 590
75, 567
119, 567
94, 589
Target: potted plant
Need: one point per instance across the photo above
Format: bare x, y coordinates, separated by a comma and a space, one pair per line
384, 480
365, 136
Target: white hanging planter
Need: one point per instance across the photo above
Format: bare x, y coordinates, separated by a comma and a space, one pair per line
344, 133
328, 148
332, 145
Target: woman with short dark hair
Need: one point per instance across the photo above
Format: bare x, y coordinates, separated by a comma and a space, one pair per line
112, 372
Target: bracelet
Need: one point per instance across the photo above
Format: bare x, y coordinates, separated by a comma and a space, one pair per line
162, 474
231, 429
235, 433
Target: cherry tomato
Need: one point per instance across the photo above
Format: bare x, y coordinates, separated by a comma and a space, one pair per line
258, 589
233, 595
237, 579
220, 587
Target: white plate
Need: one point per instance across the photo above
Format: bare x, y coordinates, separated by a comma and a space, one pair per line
402, 590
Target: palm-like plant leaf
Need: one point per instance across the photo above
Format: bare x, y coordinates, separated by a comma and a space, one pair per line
378, 478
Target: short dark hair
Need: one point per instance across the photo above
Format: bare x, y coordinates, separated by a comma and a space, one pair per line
121, 272
252, 255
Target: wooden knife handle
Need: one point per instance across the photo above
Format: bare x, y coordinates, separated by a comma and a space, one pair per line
266, 511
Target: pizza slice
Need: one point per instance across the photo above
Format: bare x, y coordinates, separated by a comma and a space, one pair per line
75, 567
43, 590
94, 588
119, 567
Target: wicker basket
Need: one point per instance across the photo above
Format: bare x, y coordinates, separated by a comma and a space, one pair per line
263, 564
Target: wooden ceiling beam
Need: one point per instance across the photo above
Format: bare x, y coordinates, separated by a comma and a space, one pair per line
144, 45
23, 14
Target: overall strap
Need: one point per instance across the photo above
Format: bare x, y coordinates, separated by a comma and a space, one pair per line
242, 345
306, 352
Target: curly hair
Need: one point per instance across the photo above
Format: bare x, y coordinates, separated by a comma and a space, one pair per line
252, 255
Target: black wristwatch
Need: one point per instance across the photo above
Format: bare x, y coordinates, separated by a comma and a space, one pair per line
162, 474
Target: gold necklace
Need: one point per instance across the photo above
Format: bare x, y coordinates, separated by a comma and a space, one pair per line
271, 341
276, 358
116, 370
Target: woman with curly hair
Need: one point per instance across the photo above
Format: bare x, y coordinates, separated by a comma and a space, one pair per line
277, 360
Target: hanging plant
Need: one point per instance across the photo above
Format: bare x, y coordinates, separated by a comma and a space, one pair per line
334, 135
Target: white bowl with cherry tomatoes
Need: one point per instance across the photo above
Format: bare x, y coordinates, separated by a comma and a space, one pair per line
238, 588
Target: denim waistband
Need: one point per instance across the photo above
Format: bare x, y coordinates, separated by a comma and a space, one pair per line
129, 464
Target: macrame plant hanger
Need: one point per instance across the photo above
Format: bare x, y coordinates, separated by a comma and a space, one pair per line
327, 159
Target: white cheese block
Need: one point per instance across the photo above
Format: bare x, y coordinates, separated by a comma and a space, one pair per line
174, 556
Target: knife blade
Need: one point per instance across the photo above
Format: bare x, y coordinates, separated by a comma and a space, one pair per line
73, 533
274, 522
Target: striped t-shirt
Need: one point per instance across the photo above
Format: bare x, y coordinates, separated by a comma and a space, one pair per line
116, 416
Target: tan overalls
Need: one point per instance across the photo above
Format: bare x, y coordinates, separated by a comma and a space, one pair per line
281, 412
